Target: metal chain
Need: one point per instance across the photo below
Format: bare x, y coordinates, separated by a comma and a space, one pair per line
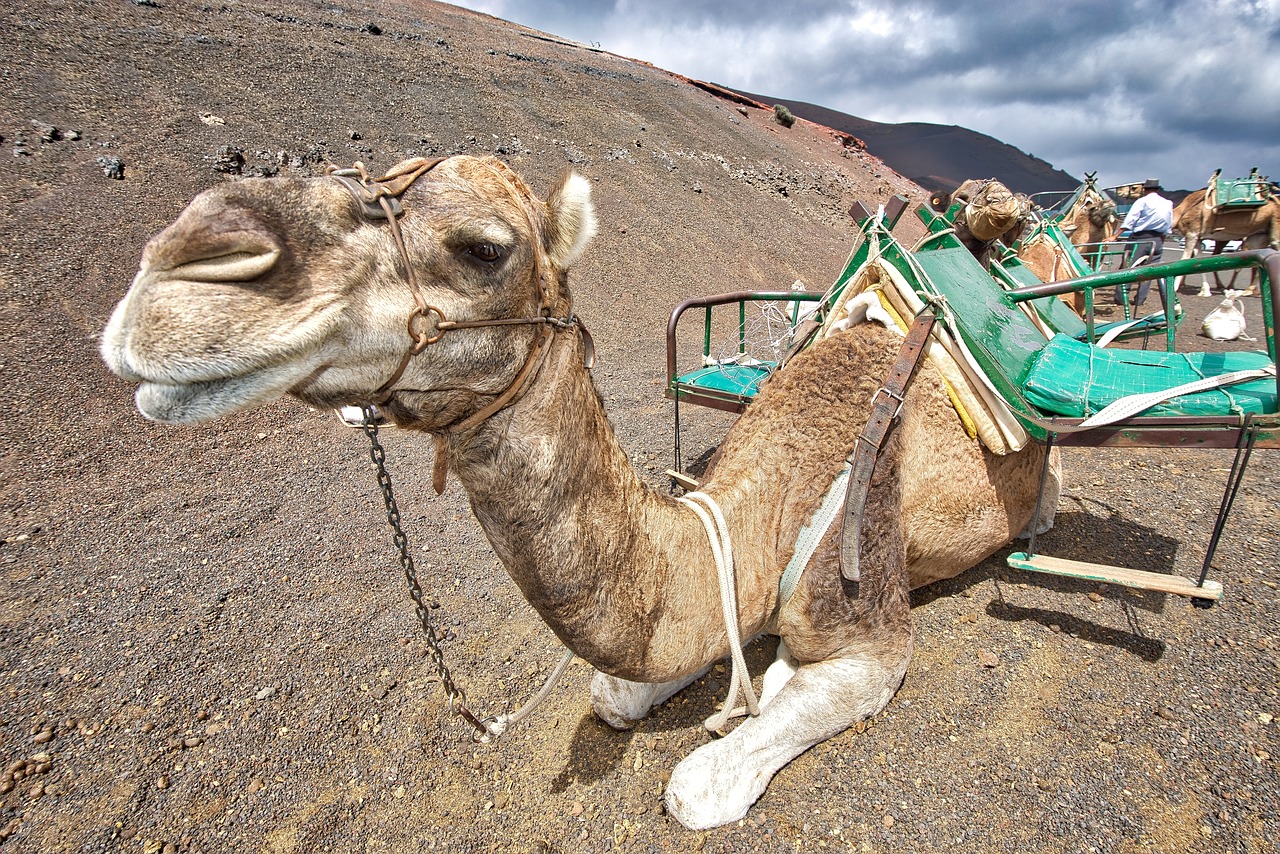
457, 699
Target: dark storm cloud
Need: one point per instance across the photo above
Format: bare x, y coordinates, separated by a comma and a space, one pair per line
1173, 89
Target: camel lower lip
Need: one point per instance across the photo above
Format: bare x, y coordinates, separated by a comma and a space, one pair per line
185, 404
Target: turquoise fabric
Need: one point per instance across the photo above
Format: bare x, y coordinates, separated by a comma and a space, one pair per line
1073, 379
742, 380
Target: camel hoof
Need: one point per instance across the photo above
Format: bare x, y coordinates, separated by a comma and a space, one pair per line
1205, 292
711, 787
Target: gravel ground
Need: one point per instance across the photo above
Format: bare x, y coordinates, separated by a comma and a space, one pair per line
205, 642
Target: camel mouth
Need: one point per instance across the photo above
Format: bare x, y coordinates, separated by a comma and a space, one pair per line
206, 400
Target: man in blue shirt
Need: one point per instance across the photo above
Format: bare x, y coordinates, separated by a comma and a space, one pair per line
1144, 227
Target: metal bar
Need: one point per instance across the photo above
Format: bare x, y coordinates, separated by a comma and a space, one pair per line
1044, 477
1244, 450
1266, 260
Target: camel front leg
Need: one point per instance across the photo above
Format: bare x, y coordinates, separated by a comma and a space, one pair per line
719, 782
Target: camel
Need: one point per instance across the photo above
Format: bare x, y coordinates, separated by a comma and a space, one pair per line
1050, 263
1257, 228
1088, 222
267, 287
991, 212
1091, 219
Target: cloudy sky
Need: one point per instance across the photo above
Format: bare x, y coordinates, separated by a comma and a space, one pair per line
1127, 88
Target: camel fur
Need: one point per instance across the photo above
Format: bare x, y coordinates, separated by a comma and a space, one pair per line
263, 288
1256, 228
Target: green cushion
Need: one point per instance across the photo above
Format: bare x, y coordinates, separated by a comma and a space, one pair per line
1074, 379
741, 380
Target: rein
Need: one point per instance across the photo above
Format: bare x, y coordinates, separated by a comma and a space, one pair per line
379, 199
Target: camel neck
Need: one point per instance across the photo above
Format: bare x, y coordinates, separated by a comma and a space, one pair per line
588, 543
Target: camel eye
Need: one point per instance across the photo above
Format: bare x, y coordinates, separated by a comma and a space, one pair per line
487, 252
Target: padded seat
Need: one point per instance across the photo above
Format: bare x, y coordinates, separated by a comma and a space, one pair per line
1069, 377
730, 379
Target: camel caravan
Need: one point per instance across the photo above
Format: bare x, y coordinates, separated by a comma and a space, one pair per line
919, 404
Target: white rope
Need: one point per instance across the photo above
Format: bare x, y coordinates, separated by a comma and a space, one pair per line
495, 727
722, 551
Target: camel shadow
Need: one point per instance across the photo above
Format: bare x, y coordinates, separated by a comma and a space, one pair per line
1082, 536
597, 749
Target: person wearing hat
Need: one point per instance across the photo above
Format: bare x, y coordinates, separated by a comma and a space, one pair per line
1144, 228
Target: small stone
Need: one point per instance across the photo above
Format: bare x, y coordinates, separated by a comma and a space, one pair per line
888, 822
266, 693
1166, 713
112, 167
988, 659
44, 736
192, 741
577, 808
162, 782
1096, 597
255, 785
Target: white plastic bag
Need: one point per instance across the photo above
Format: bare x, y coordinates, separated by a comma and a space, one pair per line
1226, 322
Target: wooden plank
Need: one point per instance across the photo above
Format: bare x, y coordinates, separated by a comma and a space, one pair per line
1138, 578
682, 479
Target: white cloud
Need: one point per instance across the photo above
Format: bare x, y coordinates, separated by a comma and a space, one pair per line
1168, 88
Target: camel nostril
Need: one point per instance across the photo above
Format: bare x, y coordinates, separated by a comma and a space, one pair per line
241, 265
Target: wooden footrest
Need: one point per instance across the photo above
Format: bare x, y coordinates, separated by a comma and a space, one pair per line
1116, 575
685, 481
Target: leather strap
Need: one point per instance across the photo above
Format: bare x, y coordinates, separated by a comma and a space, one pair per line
886, 407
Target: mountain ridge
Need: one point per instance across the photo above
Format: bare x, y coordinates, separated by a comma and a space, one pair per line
937, 157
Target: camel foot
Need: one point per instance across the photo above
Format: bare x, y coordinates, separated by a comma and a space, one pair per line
621, 704
718, 782
711, 787
1204, 290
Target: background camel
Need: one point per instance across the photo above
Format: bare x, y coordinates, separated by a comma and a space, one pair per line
1256, 227
262, 288
991, 212
1091, 219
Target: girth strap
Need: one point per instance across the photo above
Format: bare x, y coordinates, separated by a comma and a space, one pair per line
886, 407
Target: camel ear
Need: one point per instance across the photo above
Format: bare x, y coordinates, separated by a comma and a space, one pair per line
571, 219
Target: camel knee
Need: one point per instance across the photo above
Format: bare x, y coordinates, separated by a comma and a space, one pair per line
621, 703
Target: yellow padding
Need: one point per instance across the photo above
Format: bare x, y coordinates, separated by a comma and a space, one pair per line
965, 418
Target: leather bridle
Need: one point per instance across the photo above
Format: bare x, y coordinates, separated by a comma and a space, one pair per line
379, 199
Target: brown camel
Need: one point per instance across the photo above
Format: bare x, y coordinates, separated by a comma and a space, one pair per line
1091, 219
1257, 227
1050, 263
991, 212
263, 288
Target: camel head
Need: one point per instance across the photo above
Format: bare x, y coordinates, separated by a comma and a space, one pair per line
267, 287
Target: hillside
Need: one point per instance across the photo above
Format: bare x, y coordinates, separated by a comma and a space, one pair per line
939, 157
207, 644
